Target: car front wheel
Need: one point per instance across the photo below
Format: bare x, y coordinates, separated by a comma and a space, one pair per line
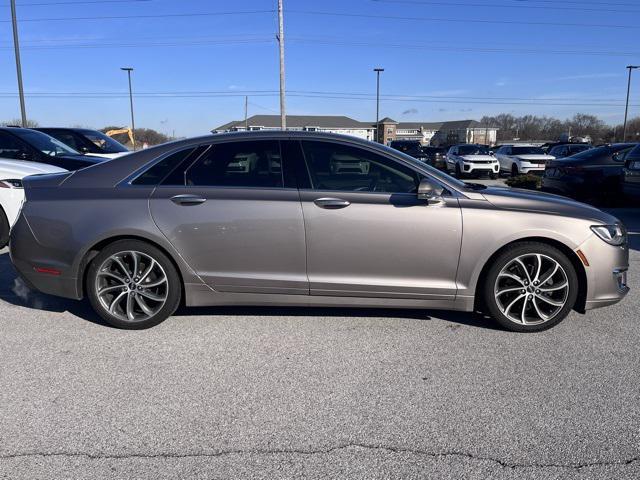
133, 285
4, 229
514, 170
531, 286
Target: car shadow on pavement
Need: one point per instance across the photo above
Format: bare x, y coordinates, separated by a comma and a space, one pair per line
15, 292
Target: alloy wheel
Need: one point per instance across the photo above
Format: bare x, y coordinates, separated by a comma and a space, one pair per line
132, 286
531, 289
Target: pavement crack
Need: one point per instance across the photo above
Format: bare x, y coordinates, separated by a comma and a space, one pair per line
323, 451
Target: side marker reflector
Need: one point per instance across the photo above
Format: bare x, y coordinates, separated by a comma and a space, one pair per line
47, 271
582, 257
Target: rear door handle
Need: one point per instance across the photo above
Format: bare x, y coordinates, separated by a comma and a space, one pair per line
331, 203
186, 199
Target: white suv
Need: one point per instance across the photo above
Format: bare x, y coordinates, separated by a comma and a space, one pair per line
517, 159
468, 159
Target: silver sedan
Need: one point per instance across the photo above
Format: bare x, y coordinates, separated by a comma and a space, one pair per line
309, 219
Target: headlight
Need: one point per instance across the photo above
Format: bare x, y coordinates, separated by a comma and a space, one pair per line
11, 183
612, 234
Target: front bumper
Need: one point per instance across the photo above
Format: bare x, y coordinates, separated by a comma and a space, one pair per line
470, 167
526, 167
606, 273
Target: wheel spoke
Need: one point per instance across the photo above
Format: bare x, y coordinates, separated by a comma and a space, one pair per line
114, 303
134, 256
539, 267
508, 309
507, 290
524, 307
522, 265
152, 296
143, 306
550, 301
146, 273
113, 275
104, 290
540, 314
512, 277
548, 277
554, 288
130, 313
155, 283
122, 266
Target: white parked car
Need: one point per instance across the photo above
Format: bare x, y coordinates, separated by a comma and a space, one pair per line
11, 194
520, 159
471, 159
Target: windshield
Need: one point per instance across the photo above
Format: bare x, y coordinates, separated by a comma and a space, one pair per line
527, 151
43, 142
105, 143
472, 150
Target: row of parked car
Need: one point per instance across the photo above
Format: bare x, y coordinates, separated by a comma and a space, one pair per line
26, 151
597, 174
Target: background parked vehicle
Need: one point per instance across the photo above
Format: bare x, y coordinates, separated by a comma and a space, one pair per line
11, 192
30, 145
594, 175
522, 159
631, 177
567, 149
471, 159
87, 141
437, 157
410, 147
304, 232
548, 146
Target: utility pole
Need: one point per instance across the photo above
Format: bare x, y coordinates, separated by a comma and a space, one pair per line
283, 113
626, 108
16, 46
246, 112
378, 70
133, 123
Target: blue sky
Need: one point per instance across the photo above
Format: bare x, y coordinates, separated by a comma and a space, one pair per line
443, 60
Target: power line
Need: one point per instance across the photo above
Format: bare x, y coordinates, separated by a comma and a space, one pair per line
497, 5
460, 20
164, 15
81, 2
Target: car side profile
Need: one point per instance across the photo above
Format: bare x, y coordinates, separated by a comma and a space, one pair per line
25, 144
470, 159
522, 159
567, 149
309, 219
86, 141
12, 172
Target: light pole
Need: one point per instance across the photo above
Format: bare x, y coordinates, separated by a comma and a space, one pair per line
283, 112
133, 124
626, 108
16, 46
378, 70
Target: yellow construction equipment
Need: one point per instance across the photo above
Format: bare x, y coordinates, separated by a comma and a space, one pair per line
128, 131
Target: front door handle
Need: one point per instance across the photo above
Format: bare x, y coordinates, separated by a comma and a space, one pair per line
186, 199
331, 203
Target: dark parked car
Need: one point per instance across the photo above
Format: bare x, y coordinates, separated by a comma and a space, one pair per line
25, 144
87, 141
410, 147
567, 149
631, 176
592, 175
548, 146
437, 157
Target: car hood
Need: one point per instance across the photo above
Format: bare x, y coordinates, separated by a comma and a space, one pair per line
535, 156
530, 201
21, 168
478, 158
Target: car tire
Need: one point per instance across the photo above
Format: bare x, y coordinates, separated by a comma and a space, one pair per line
514, 299
133, 285
514, 170
493, 176
458, 171
5, 229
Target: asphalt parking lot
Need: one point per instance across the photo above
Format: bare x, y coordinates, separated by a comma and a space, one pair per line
316, 393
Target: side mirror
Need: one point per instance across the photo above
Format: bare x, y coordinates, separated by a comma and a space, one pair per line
491, 152
22, 155
84, 150
428, 190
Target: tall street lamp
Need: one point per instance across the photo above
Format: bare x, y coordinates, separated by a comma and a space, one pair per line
378, 70
133, 124
16, 46
626, 108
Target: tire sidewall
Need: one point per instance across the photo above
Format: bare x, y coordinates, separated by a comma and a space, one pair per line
509, 254
173, 278
5, 229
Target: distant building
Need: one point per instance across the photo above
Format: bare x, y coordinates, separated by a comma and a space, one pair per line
434, 133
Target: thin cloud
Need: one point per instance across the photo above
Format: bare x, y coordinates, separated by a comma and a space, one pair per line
411, 111
585, 76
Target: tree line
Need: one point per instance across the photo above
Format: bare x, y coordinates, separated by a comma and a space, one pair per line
533, 127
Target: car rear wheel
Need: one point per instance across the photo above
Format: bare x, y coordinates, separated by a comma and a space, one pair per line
4, 229
530, 287
133, 285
